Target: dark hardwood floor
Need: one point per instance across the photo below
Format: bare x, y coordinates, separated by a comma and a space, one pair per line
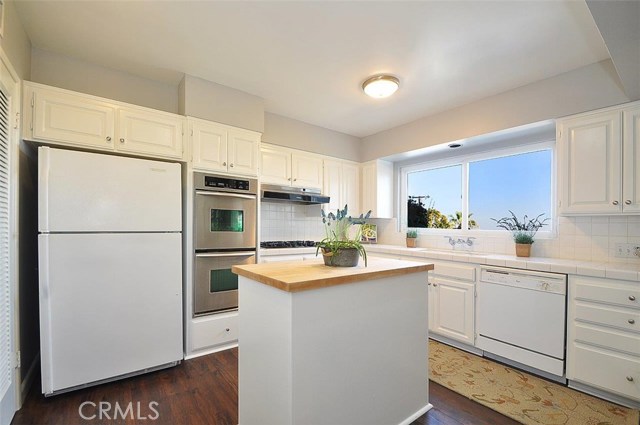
202, 391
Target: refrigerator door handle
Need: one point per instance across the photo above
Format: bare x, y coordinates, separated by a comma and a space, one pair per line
43, 188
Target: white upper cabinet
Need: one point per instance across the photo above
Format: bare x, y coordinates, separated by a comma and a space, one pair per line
631, 158
306, 170
598, 162
289, 167
377, 188
64, 117
342, 185
242, 152
217, 147
149, 132
275, 165
69, 118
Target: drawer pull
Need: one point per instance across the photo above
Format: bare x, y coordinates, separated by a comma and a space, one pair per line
631, 321
630, 378
632, 297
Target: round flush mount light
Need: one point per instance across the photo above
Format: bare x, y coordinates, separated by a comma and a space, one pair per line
380, 86
454, 145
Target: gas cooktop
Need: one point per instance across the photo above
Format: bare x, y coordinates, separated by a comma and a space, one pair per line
287, 244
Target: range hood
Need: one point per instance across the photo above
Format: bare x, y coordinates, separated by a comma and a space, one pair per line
275, 193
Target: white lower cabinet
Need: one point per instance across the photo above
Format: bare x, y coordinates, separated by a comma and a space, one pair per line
213, 331
603, 336
452, 308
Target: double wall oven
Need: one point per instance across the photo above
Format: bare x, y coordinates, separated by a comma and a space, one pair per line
225, 220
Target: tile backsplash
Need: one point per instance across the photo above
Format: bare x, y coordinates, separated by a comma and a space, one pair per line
592, 238
290, 222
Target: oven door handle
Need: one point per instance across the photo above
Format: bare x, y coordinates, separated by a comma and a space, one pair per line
225, 254
228, 195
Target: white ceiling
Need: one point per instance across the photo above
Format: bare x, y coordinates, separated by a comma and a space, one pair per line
308, 59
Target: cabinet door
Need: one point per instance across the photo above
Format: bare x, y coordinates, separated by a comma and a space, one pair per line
590, 163
209, 146
631, 155
243, 152
333, 184
149, 133
351, 187
72, 119
454, 309
368, 182
275, 166
306, 171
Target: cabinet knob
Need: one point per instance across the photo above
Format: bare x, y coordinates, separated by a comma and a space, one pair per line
631, 321
628, 202
122, 140
108, 138
630, 378
429, 283
231, 165
224, 164
632, 297
295, 180
227, 329
435, 284
289, 179
615, 202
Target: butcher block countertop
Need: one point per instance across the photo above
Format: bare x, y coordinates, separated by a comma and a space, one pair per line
295, 276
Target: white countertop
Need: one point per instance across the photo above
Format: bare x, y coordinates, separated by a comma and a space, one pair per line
627, 271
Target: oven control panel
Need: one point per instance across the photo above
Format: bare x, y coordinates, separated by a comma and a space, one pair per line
223, 183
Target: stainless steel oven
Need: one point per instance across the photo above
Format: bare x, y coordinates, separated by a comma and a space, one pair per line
225, 222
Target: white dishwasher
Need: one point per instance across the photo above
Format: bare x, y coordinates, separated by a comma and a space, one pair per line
521, 317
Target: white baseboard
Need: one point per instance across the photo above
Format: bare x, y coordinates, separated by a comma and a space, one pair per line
417, 414
200, 353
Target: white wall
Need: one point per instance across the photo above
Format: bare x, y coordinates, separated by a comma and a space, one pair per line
214, 102
15, 42
591, 87
84, 77
280, 130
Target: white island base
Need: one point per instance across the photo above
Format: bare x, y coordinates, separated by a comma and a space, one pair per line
353, 353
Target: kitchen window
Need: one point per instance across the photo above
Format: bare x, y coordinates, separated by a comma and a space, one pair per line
467, 192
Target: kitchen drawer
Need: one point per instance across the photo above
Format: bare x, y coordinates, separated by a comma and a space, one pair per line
617, 373
213, 330
455, 271
618, 292
607, 338
627, 319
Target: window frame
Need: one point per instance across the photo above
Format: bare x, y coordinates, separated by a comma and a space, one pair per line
464, 160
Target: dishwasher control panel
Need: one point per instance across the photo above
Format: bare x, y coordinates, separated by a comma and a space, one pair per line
536, 281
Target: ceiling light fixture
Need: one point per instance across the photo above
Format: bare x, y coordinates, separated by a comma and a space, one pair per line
382, 85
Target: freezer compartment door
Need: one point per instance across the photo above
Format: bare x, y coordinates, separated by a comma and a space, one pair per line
110, 304
88, 192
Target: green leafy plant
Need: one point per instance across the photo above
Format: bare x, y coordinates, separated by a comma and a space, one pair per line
337, 227
523, 230
412, 233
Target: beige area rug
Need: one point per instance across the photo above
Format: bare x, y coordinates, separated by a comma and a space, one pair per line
518, 395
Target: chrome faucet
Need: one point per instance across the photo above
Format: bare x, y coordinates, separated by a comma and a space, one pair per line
452, 242
468, 242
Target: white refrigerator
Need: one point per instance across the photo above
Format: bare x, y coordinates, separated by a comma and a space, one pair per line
110, 267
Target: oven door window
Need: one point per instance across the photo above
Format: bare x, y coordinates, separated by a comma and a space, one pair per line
222, 280
227, 220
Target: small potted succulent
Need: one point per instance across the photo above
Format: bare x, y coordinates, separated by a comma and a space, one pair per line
522, 231
412, 236
339, 249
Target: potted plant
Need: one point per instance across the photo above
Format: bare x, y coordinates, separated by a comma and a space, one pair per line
523, 231
338, 247
412, 236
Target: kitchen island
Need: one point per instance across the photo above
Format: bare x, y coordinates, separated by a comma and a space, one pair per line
333, 345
